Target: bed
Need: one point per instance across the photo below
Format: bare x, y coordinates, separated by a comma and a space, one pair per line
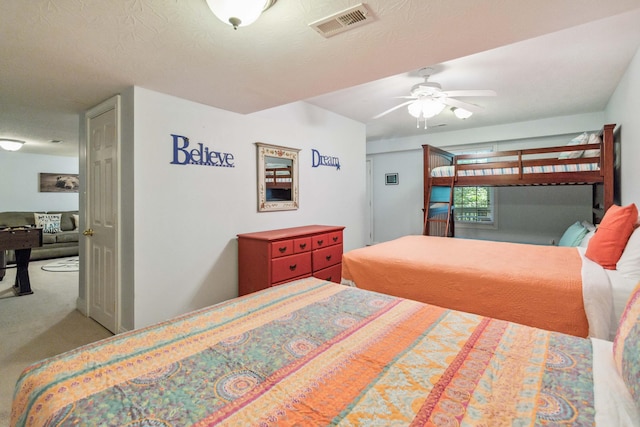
589, 160
317, 353
550, 287
277, 175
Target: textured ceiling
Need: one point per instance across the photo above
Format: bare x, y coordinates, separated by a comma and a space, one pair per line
61, 57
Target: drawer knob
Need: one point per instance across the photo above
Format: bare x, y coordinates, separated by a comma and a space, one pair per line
303, 245
282, 249
293, 267
335, 239
328, 257
320, 242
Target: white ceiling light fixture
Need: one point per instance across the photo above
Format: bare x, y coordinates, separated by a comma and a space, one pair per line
425, 108
427, 100
461, 113
11, 144
239, 13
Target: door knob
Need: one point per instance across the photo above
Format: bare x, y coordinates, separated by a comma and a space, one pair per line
88, 232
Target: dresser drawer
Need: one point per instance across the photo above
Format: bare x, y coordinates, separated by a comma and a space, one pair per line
282, 248
331, 274
285, 268
302, 245
325, 257
335, 238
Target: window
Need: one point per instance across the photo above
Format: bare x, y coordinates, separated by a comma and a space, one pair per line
474, 205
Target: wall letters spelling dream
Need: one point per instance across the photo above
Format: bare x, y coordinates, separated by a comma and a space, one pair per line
201, 155
320, 160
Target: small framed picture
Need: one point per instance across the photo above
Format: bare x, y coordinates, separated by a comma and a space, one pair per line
59, 182
391, 179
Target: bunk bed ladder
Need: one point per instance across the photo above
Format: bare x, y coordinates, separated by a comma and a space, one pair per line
439, 211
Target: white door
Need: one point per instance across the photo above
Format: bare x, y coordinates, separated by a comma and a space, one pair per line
101, 214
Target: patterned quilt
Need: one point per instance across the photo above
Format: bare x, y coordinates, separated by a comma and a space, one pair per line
315, 353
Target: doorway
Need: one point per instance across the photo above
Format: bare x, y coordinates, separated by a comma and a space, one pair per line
100, 263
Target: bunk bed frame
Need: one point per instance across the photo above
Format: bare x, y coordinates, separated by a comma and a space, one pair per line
280, 177
602, 178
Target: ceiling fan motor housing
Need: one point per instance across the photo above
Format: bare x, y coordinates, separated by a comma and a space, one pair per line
426, 89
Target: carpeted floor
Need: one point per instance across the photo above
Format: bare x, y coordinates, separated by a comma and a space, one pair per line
65, 265
34, 327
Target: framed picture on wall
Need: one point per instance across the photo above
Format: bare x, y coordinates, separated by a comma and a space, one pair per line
391, 179
59, 182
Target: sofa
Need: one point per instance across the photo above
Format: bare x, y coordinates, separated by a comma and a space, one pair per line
54, 245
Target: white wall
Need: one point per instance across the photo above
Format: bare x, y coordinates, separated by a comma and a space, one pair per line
186, 218
624, 109
20, 180
528, 215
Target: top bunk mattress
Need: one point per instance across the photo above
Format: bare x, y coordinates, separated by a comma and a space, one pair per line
446, 171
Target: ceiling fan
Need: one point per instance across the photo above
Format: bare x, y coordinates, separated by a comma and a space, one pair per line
427, 100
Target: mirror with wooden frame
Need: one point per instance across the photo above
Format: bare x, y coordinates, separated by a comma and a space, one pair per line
277, 178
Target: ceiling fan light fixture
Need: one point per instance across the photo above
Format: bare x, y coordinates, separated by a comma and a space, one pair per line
461, 113
425, 108
239, 13
11, 144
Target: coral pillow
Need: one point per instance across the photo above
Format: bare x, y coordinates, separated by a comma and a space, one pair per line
626, 346
606, 246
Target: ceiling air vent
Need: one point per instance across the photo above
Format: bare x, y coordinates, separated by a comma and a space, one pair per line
343, 21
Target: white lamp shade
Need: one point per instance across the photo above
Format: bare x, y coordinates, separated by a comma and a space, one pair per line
11, 144
425, 108
238, 13
461, 113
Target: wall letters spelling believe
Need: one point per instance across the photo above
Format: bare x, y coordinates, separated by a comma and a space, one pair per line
201, 155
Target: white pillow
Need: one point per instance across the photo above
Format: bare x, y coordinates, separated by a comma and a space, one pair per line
50, 223
578, 140
76, 221
593, 139
629, 263
591, 229
588, 226
585, 240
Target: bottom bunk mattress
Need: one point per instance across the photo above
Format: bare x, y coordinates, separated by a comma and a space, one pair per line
540, 286
317, 353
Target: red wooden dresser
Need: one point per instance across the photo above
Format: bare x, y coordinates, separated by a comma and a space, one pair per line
270, 258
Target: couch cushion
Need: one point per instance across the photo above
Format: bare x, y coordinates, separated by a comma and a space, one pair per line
66, 221
16, 219
48, 238
67, 236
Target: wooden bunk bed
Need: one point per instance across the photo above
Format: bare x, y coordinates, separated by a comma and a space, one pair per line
538, 166
278, 177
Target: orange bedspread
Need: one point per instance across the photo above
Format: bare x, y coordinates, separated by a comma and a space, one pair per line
539, 286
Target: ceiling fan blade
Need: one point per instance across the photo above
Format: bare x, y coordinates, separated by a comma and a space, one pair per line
455, 93
392, 109
459, 104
